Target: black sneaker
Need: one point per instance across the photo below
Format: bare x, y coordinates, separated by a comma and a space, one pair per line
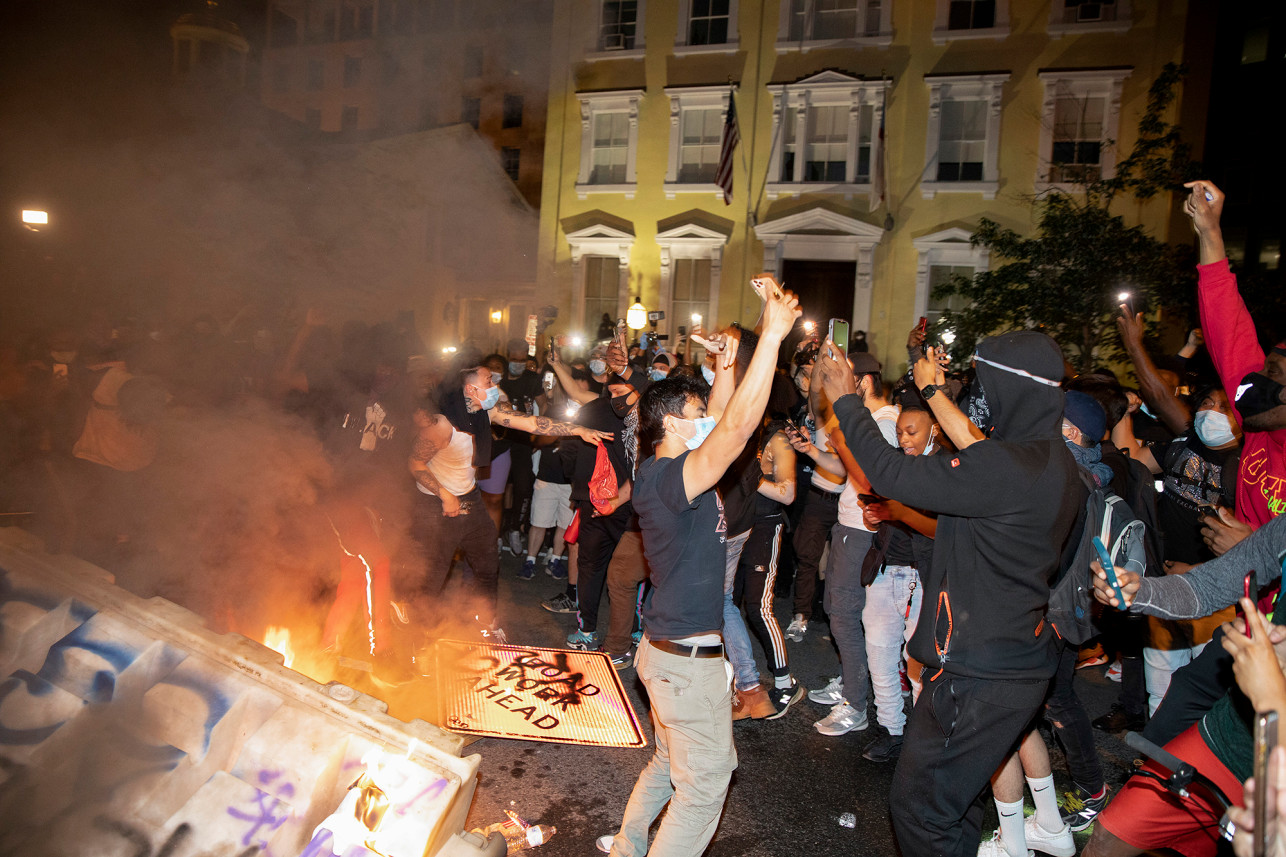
1117, 720
885, 748
1079, 808
560, 603
784, 697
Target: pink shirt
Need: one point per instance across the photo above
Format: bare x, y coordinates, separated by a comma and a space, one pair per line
1234, 349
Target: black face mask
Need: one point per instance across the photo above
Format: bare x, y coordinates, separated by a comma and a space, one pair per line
621, 405
977, 409
1257, 394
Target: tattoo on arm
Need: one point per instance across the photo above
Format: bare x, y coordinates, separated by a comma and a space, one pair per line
422, 452
505, 415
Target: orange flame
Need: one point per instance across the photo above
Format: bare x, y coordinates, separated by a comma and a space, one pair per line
278, 639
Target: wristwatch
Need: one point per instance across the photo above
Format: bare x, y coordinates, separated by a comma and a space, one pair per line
928, 390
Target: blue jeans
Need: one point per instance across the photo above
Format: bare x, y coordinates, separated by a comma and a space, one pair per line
844, 600
691, 702
892, 609
736, 639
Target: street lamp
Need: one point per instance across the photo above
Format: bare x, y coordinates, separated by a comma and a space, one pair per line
636, 315
33, 219
496, 316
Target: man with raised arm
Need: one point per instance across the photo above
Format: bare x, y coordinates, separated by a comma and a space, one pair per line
684, 452
1005, 509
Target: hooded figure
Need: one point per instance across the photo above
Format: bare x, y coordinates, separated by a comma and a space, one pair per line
1006, 506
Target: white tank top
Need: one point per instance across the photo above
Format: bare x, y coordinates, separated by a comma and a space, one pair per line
453, 466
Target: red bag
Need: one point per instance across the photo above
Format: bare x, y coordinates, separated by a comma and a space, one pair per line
603, 488
572, 533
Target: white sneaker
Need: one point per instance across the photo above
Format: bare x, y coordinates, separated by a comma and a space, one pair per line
993, 847
843, 719
797, 628
1059, 843
604, 843
831, 694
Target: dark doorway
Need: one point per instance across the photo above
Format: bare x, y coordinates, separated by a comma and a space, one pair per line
825, 289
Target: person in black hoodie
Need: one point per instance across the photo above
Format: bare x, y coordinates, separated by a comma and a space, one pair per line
1005, 510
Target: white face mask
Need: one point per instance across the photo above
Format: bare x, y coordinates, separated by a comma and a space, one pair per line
708, 374
701, 428
930, 446
496, 378
597, 367
1213, 428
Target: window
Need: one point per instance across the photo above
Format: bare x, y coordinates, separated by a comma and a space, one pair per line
828, 129
940, 275
963, 137
1080, 117
348, 121
602, 284
600, 271
610, 146
942, 256
316, 74
962, 146
1082, 16
690, 291
512, 117
510, 158
470, 111
971, 15
352, 71
357, 19
609, 142
971, 19
708, 22
321, 21
700, 139
472, 62
617, 25
804, 21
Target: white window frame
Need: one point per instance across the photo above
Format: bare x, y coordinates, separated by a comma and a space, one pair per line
882, 38
599, 240
1099, 83
691, 98
594, 53
827, 89
942, 35
681, 46
1059, 27
594, 103
688, 241
948, 247
821, 234
966, 87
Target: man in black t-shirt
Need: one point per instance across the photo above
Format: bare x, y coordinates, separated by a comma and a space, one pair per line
681, 660
523, 389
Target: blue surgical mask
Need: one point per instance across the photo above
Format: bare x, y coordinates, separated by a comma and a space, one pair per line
1213, 428
597, 367
517, 368
708, 374
496, 377
656, 375
701, 426
490, 398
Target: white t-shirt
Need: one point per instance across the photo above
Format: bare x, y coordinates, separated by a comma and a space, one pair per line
850, 508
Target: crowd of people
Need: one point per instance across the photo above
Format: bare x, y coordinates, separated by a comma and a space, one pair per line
927, 519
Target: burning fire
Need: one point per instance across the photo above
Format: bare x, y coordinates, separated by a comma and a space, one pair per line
278, 639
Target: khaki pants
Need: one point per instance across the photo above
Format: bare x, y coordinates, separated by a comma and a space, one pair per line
694, 759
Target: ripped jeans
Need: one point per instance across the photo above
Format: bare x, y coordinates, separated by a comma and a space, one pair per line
1071, 724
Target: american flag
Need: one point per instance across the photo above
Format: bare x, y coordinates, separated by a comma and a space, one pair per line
731, 137
878, 181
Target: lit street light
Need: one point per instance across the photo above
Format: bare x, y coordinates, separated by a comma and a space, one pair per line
33, 218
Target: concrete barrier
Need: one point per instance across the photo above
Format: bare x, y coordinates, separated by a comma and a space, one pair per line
129, 728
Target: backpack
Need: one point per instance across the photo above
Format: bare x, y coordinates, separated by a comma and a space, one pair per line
1071, 598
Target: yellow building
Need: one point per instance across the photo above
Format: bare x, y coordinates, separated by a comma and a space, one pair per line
984, 103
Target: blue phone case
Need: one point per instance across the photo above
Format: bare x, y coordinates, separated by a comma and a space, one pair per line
1105, 560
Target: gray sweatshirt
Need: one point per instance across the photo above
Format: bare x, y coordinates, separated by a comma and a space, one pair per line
1216, 584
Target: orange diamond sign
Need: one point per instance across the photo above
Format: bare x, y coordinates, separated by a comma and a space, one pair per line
569, 697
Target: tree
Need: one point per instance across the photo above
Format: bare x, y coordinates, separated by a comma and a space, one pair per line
1065, 279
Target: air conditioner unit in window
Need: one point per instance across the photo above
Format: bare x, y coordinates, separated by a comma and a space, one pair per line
613, 41
1089, 12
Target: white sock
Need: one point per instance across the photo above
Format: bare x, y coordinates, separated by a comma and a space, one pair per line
783, 681
1011, 828
531, 558
1046, 801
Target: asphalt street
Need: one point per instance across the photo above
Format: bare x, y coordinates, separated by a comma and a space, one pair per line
790, 788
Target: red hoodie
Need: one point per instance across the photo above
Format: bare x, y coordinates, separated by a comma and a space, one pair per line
1234, 349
